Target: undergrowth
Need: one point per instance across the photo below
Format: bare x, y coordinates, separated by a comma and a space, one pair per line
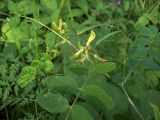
79, 60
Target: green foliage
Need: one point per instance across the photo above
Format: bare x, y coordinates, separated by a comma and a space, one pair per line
48, 5
54, 103
79, 113
92, 92
26, 76
79, 59
156, 111
61, 83
106, 67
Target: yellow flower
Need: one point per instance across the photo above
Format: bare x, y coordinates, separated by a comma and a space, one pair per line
85, 52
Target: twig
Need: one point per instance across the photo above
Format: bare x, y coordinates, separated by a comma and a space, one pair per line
126, 94
7, 116
72, 19
131, 102
75, 100
94, 26
36, 110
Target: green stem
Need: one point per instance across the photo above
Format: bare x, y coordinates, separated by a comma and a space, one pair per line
61, 9
72, 19
36, 110
19, 50
131, 102
36, 43
35, 33
62, 3
126, 94
7, 116
75, 100
94, 26
51, 31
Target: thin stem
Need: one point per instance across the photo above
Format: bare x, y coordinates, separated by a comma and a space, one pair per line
7, 116
127, 77
61, 9
124, 69
94, 26
2, 13
3, 20
36, 110
36, 42
75, 100
35, 33
131, 102
51, 31
126, 94
62, 3
72, 19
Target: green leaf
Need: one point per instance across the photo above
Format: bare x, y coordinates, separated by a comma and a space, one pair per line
93, 112
156, 111
12, 7
54, 103
78, 69
49, 40
5, 27
49, 5
27, 75
77, 12
93, 92
137, 91
55, 15
153, 96
61, 83
2, 58
157, 73
25, 7
83, 5
80, 113
100, 6
105, 67
152, 78
14, 21
126, 5
7, 51
48, 65
146, 31
142, 21
106, 36
14, 34
121, 104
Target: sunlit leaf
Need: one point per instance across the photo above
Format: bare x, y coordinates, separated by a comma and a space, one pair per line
27, 75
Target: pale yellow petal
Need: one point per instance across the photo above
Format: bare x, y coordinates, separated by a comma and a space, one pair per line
91, 38
78, 53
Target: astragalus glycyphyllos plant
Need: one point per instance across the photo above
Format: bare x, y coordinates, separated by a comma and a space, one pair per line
79, 60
